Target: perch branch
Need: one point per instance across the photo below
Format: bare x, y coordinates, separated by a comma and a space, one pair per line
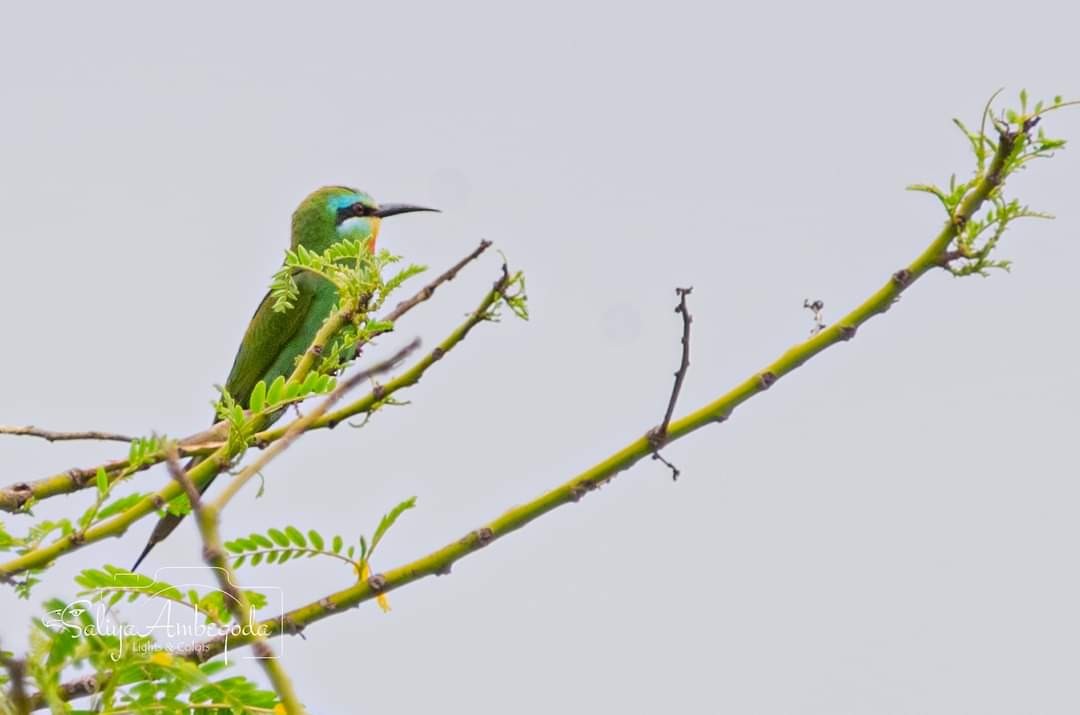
15, 497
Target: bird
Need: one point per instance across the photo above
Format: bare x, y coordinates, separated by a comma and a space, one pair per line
274, 340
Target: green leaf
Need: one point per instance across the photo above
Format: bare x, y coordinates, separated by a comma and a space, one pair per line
316, 539
279, 538
337, 544
118, 505
388, 520
276, 391
102, 483
292, 390
258, 397
262, 541
295, 536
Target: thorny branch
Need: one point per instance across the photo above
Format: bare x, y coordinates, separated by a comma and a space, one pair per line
658, 436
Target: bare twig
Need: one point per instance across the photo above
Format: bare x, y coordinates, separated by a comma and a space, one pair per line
816, 307
52, 436
429, 290
658, 436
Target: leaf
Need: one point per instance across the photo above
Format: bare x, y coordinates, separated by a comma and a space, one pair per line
337, 544
118, 505
292, 390
258, 397
295, 536
262, 541
316, 539
102, 482
279, 538
276, 391
388, 520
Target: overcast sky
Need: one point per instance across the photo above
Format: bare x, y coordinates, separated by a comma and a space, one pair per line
892, 529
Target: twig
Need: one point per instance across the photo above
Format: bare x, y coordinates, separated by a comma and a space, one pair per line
816, 307
207, 516
429, 290
176, 471
52, 436
658, 435
15, 496
301, 425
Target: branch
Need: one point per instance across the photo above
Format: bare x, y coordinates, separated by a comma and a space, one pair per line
408, 378
427, 291
14, 497
117, 525
51, 436
303, 424
208, 519
658, 435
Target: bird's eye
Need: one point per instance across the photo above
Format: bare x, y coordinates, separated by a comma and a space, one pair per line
352, 210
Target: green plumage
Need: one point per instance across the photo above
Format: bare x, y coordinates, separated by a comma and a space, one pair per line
273, 340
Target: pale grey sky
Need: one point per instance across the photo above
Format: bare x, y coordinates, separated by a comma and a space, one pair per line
890, 530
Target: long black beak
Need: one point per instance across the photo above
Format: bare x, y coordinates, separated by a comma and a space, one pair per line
395, 209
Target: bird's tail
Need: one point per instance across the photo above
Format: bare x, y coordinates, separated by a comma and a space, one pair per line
168, 523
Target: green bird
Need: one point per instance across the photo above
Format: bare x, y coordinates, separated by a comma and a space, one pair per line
273, 341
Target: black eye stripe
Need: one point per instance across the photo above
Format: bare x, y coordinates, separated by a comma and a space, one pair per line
356, 209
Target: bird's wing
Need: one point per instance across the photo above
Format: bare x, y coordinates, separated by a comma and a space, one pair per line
266, 337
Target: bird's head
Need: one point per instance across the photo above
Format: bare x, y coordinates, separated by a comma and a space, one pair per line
333, 213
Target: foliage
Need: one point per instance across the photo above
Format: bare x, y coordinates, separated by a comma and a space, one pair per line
977, 236
281, 545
